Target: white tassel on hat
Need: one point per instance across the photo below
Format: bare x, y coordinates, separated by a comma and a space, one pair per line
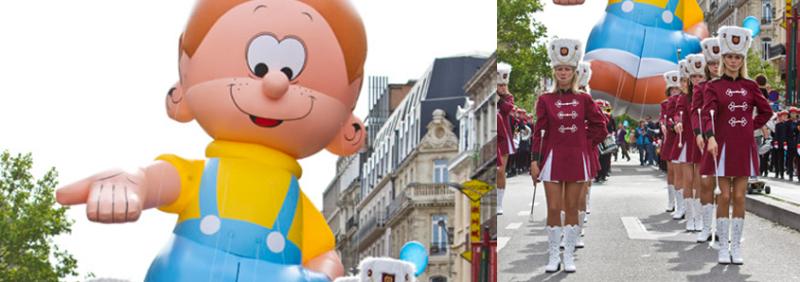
711, 50
734, 40
565, 52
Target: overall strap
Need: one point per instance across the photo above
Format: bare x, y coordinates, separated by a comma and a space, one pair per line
286, 215
208, 189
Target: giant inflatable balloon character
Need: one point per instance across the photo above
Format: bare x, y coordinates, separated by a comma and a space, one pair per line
634, 43
271, 81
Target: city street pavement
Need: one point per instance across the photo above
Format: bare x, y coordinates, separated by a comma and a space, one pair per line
629, 237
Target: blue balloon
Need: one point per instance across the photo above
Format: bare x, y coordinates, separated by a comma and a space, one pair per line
753, 24
415, 253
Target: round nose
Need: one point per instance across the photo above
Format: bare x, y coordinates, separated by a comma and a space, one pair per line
275, 85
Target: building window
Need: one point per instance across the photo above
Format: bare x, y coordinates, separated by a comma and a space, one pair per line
765, 44
438, 279
766, 10
440, 171
439, 236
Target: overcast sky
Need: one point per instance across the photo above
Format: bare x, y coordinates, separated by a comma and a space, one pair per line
82, 86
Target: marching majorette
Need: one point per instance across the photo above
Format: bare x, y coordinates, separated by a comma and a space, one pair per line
584, 76
559, 148
680, 149
695, 66
505, 143
673, 86
711, 56
728, 121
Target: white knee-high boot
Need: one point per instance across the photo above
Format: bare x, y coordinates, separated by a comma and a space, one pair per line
500, 193
553, 239
698, 215
705, 232
671, 200
579, 244
690, 211
680, 209
737, 227
571, 238
724, 255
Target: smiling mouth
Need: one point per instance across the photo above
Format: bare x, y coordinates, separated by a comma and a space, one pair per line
267, 122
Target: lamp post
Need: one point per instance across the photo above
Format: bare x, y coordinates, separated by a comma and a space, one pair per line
791, 62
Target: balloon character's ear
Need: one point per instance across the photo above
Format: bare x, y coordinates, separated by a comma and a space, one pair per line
349, 139
177, 107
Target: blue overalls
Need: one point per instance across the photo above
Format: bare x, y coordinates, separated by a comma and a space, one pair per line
212, 248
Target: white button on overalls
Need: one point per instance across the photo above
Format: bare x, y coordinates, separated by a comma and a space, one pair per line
276, 242
210, 224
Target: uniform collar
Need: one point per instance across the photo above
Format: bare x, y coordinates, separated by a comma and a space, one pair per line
728, 78
563, 91
262, 154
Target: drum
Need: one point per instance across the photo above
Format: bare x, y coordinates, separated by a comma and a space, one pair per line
608, 145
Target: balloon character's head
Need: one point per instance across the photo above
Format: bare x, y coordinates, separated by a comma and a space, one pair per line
282, 74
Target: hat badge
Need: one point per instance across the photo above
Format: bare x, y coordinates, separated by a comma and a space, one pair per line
715, 49
736, 39
564, 51
505, 76
674, 79
698, 65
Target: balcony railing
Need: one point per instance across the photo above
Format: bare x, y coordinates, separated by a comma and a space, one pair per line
351, 223
371, 226
429, 192
418, 193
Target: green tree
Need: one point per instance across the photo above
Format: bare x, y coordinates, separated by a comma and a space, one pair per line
520, 43
29, 219
756, 66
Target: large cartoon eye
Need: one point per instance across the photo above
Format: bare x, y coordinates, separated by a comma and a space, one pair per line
265, 53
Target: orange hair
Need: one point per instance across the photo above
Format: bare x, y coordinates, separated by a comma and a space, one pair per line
340, 15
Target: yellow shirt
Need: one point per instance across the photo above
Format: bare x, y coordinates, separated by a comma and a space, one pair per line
252, 181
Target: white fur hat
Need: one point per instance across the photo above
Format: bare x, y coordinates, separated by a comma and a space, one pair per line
711, 49
503, 73
696, 64
379, 269
683, 69
584, 73
565, 52
734, 40
673, 79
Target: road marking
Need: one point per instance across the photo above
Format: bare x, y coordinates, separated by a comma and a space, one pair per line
523, 213
501, 242
637, 231
536, 204
616, 170
515, 225
643, 169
